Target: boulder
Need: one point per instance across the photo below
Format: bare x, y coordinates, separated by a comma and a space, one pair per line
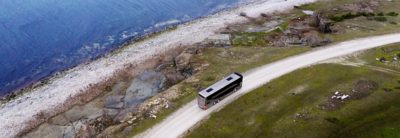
312, 38
82, 112
218, 40
59, 120
86, 132
145, 85
69, 132
266, 27
324, 25
174, 78
114, 102
182, 61
362, 6
111, 112
47, 131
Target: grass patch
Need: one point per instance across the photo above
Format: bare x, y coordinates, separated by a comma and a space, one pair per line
273, 111
387, 52
368, 26
250, 39
245, 56
222, 62
380, 19
357, 25
392, 14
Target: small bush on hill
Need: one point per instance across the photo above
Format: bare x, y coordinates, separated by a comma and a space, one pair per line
380, 19
336, 18
392, 14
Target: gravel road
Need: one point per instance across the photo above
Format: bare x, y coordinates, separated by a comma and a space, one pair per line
182, 120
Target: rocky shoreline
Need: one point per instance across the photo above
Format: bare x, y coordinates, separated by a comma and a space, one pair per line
122, 103
86, 82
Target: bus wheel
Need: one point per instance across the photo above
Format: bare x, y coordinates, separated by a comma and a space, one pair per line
215, 102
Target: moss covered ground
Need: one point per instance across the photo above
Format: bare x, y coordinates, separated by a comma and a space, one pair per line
251, 49
292, 106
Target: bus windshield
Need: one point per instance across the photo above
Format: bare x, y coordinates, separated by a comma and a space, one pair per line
201, 101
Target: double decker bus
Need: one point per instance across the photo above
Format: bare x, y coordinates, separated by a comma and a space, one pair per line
218, 91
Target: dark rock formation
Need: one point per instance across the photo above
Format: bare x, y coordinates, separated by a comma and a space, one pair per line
362, 6
323, 24
144, 86
114, 102
312, 38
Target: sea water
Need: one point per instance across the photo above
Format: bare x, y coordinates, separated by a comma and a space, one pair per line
41, 37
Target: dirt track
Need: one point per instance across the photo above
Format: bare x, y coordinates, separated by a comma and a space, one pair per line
21, 114
186, 117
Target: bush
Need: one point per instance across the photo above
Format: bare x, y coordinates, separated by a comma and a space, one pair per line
368, 14
210, 78
350, 15
380, 19
392, 14
336, 18
108, 89
264, 15
243, 14
380, 14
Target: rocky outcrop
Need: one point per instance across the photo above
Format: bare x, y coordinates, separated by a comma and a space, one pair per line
119, 106
144, 86
114, 102
303, 31
323, 24
182, 61
217, 40
312, 38
80, 112
362, 6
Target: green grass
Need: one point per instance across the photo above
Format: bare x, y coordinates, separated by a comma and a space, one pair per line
377, 25
250, 39
325, 4
222, 61
246, 56
270, 110
387, 52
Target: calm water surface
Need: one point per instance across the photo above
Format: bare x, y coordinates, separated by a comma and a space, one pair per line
41, 37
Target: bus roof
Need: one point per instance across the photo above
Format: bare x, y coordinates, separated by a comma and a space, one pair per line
219, 85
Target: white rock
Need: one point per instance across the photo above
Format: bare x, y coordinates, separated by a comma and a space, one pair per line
344, 97
308, 12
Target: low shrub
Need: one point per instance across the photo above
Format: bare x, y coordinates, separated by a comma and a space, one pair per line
380, 19
210, 78
392, 22
392, 14
336, 18
350, 15
366, 14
